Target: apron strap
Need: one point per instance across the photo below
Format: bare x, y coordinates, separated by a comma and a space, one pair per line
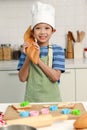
50, 55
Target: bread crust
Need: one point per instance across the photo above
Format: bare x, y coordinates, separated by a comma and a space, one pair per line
31, 51
81, 122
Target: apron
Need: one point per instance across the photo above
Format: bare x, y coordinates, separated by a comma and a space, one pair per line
39, 87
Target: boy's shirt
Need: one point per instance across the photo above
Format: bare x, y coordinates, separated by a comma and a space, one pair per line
58, 57
58, 61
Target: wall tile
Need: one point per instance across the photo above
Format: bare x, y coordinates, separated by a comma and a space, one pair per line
15, 17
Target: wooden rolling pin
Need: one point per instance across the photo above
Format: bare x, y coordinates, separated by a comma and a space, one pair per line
38, 121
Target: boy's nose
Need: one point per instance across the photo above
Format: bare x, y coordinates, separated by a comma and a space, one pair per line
42, 31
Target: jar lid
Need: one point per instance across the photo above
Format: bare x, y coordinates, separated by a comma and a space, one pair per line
85, 49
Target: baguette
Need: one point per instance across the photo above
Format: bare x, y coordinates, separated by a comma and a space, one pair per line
31, 51
81, 122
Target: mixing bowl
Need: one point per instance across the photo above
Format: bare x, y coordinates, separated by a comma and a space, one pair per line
17, 127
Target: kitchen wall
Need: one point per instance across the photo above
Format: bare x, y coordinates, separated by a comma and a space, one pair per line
15, 17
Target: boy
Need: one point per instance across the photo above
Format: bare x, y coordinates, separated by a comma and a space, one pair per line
42, 78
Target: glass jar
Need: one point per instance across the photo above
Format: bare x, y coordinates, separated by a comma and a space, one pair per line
16, 52
1, 52
7, 52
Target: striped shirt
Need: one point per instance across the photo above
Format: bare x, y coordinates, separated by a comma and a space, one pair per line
58, 62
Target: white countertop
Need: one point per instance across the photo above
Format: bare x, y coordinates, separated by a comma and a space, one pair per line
8, 65
59, 125
69, 64
76, 63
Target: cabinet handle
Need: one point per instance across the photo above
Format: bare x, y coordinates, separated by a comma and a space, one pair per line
67, 71
13, 73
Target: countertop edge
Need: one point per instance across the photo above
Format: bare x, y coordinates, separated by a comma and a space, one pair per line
69, 64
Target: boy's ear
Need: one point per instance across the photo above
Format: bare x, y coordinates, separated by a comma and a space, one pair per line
54, 30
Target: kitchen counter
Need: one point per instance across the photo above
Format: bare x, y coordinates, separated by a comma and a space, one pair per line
8, 65
76, 63
69, 64
61, 125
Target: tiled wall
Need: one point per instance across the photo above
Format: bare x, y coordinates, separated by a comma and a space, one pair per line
15, 17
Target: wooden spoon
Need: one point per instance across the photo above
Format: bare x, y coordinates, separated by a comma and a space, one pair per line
78, 36
82, 35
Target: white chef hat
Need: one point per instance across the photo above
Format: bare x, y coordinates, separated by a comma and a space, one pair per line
43, 13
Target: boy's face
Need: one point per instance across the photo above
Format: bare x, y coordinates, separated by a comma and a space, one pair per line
42, 32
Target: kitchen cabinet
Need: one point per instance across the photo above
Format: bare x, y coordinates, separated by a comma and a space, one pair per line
81, 84
11, 89
67, 85
73, 85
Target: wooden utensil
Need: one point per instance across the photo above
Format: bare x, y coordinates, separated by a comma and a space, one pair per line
72, 36
69, 47
82, 35
78, 36
38, 121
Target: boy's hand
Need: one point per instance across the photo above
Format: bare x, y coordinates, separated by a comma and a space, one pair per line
25, 45
32, 51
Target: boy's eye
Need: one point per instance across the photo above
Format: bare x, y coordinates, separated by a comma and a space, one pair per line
47, 28
37, 28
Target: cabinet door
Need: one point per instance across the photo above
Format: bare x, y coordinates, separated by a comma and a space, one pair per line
67, 85
81, 84
11, 89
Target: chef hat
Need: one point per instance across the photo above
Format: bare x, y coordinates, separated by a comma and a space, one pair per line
43, 13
